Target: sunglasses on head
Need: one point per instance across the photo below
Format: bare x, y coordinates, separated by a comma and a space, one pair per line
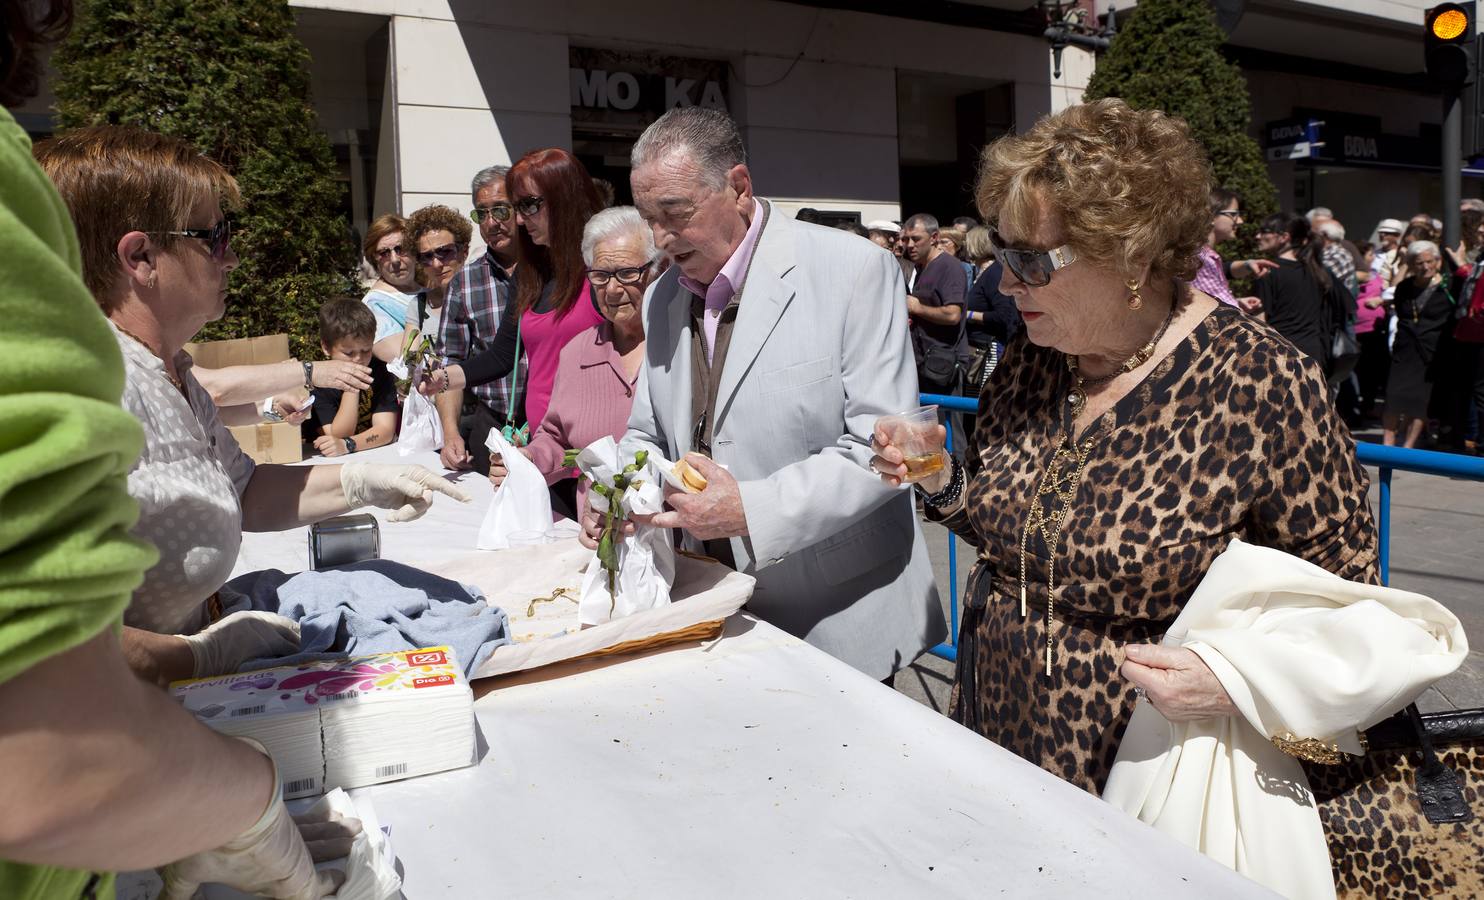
385, 253
217, 237
1032, 267
529, 206
629, 275
445, 255
500, 212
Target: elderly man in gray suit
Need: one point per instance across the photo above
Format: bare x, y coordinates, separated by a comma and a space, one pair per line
772, 346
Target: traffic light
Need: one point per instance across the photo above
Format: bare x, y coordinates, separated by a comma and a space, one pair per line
1448, 43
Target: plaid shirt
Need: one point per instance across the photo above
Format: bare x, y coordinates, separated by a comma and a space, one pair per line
1340, 264
1211, 277
476, 301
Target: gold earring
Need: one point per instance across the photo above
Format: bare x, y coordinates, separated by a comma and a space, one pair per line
1134, 300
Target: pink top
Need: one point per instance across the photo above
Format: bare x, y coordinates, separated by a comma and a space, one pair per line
1365, 317
719, 292
544, 336
591, 398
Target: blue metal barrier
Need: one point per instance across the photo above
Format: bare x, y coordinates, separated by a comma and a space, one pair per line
1386, 459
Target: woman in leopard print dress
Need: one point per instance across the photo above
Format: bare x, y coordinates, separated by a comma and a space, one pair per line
1132, 431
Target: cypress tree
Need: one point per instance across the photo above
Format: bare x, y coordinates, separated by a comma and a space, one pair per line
230, 77
1167, 56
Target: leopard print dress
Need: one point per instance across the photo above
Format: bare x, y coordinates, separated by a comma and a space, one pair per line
1231, 435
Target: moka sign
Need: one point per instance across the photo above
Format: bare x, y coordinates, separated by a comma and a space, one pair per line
600, 89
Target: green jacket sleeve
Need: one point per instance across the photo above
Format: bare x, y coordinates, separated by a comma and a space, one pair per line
67, 561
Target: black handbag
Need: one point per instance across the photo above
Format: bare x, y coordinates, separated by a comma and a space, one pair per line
939, 364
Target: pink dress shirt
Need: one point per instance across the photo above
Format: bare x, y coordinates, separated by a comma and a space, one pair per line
719, 292
1211, 277
590, 398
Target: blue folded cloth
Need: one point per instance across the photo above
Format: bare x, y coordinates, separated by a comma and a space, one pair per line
376, 606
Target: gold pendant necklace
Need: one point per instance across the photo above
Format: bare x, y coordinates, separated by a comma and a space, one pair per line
1058, 487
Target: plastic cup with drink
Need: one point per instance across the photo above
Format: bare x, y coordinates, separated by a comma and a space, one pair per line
920, 439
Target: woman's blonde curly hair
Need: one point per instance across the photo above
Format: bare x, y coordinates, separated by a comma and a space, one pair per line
1131, 187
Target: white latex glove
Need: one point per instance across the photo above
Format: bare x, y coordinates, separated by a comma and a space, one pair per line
222, 648
270, 859
406, 490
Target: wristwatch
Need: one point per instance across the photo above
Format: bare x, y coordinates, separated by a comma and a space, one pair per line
308, 375
350, 445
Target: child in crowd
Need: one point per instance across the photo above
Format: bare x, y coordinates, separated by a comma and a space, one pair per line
342, 422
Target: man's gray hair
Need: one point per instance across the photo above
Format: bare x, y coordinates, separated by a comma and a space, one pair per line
1471, 203
708, 135
921, 220
485, 178
616, 221
1417, 248
1319, 212
1333, 230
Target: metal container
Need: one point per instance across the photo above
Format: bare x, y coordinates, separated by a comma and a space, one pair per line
343, 540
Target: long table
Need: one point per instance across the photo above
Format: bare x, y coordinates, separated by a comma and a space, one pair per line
753, 766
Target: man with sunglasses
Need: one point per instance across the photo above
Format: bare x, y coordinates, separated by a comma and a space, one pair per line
935, 301
477, 297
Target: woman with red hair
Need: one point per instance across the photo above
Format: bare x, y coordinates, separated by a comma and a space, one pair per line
553, 196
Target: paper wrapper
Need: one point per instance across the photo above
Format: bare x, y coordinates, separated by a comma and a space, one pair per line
703, 594
646, 559
522, 503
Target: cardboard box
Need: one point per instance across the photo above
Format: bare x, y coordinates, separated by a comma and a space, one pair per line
265, 442
270, 443
269, 348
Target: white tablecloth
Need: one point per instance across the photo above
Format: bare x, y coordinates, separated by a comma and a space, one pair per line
753, 767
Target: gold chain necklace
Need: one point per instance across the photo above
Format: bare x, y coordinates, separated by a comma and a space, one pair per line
1078, 396
179, 386
1058, 486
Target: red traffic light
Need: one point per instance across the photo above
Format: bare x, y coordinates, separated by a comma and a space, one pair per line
1448, 43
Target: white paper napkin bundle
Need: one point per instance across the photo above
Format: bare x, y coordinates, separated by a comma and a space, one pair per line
346, 723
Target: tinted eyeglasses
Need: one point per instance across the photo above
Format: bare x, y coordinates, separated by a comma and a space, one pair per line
1233, 214
217, 237
500, 212
629, 275
445, 255
1033, 267
385, 253
529, 206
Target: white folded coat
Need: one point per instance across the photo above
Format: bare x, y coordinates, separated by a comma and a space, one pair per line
1300, 651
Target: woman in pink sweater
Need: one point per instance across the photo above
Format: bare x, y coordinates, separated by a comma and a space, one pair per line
595, 374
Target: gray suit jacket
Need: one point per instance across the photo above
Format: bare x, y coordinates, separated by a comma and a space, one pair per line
819, 350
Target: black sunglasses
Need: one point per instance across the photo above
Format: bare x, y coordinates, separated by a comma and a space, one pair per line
500, 212
529, 206
445, 255
217, 237
1233, 214
629, 275
1033, 267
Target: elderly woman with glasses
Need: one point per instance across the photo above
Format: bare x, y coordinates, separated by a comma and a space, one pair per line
387, 250
441, 238
597, 370
553, 197
1128, 435
1424, 311
156, 257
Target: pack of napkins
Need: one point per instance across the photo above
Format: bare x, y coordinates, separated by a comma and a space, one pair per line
346, 723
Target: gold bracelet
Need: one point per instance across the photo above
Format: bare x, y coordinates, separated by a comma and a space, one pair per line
1309, 749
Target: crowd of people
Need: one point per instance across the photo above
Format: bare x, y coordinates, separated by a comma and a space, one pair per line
1125, 436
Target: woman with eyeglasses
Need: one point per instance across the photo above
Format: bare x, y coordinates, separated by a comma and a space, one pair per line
1211, 277
441, 237
596, 371
553, 197
1294, 296
1130, 432
156, 256
388, 251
